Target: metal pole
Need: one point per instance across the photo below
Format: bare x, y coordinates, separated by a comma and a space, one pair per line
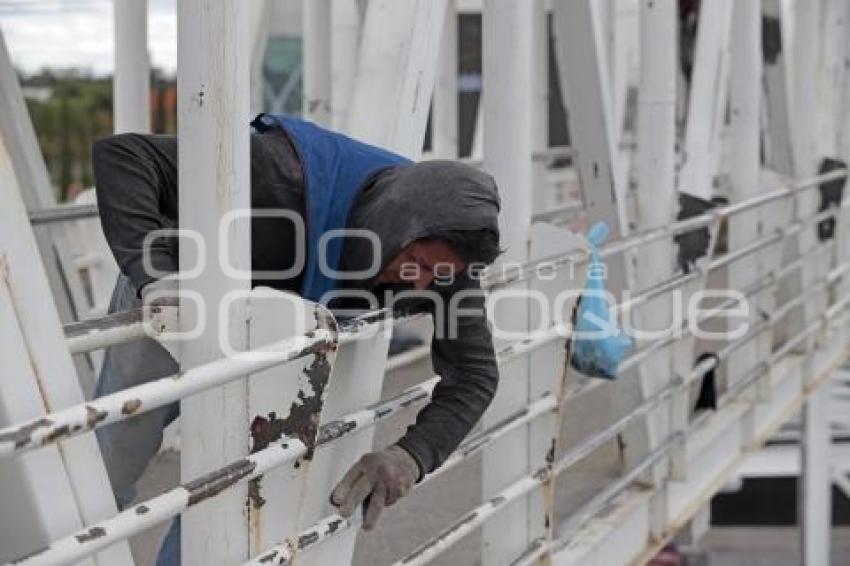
745, 104
815, 485
131, 82
445, 110
506, 118
345, 44
317, 61
656, 196
213, 109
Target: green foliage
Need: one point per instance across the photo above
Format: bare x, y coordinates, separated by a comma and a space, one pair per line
71, 109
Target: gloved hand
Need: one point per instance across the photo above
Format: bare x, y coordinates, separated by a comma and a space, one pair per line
384, 477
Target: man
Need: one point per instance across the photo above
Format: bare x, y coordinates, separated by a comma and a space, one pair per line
429, 218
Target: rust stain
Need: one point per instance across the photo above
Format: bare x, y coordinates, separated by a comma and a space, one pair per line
334, 526
267, 558
92, 534
22, 435
93, 416
302, 420
254, 498
57, 433
333, 430
307, 539
421, 396
215, 482
131, 406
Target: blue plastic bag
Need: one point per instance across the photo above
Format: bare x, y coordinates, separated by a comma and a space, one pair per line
599, 345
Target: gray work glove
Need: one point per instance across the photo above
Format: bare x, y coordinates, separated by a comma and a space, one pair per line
383, 477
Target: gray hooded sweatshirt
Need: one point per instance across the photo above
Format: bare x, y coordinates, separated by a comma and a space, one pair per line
136, 180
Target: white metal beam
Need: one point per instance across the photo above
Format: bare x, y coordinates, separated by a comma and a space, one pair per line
396, 70
815, 480
445, 109
131, 80
506, 118
346, 24
655, 199
708, 96
317, 61
58, 489
214, 177
37, 193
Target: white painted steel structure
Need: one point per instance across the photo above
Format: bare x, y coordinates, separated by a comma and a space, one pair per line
373, 69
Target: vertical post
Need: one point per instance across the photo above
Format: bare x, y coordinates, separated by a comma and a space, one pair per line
807, 41
708, 95
777, 63
345, 45
655, 164
396, 70
540, 105
213, 109
259, 17
317, 61
744, 228
131, 81
445, 109
18, 135
815, 487
507, 144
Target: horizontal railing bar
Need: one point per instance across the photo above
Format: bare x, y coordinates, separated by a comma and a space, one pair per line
599, 501
139, 399
558, 261
329, 525
63, 213
476, 517
283, 552
163, 507
116, 328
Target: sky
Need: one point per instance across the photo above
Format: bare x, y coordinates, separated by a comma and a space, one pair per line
79, 33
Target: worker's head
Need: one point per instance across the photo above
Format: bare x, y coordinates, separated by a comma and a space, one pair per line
440, 258
434, 219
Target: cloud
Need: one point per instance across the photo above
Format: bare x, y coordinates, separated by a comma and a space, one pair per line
79, 33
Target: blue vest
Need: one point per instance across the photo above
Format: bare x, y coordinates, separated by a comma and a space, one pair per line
335, 169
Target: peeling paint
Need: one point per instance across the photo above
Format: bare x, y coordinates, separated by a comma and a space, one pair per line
254, 498
92, 534
267, 558
215, 482
333, 430
307, 539
94, 416
22, 435
131, 406
334, 526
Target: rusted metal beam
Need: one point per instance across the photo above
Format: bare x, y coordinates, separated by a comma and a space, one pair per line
125, 404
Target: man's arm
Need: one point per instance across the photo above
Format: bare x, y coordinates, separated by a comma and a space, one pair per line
463, 357
462, 353
136, 182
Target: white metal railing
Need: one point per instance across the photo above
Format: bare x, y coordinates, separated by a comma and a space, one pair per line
75, 420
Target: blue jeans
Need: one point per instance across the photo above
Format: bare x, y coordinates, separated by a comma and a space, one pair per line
128, 446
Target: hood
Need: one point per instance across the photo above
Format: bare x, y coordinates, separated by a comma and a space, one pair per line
419, 200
